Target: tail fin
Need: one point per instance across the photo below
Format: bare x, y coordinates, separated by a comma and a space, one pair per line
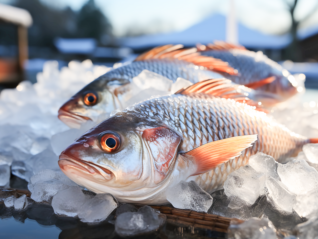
313, 141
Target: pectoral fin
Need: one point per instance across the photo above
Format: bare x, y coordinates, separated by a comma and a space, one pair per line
210, 155
257, 84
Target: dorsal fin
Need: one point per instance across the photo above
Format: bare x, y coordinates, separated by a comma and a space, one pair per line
222, 88
220, 46
189, 55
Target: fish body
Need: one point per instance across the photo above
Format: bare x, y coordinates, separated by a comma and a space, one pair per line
252, 67
112, 86
165, 140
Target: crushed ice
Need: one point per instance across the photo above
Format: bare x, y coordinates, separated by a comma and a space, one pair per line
32, 138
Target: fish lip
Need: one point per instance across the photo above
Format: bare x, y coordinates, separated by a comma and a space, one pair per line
82, 165
72, 120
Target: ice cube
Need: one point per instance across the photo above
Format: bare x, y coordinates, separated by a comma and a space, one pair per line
69, 202
139, 96
188, 195
180, 84
4, 175
62, 140
253, 228
97, 209
39, 144
146, 220
245, 184
306, 204
311, 152
281, 198
264, 164
125, 207
9, 201
148, 79
307, 230
44, 160
48, 183
21, 203
298, 176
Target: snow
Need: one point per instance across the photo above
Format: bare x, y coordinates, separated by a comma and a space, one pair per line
145, 220
188, 195
15, 15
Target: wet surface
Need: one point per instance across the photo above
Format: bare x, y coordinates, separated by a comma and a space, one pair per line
38, 221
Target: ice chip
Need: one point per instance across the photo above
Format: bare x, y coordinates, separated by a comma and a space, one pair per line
253, 228
9, 201
245, 184
306, 204
180, 84
188, 195
69, 202
39, 144
125, 207
281, 198
4, 175
298, 176
145, 220
311, 152
48, 183
97, 209
264, 164
148, 79
21, 203
307, 230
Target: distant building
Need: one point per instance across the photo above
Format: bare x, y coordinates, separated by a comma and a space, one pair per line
12, 67
88, 48
309, 43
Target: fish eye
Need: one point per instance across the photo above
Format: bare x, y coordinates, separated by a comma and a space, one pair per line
90, 99
110, 142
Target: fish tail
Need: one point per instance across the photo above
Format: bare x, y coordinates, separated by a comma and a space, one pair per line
313, 140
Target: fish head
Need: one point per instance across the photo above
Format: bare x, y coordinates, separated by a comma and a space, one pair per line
94, 101
119, 156
288, 85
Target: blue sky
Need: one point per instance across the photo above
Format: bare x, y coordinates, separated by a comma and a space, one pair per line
268, 16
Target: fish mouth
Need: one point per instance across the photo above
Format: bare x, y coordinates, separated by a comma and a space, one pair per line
72, 120
66, 163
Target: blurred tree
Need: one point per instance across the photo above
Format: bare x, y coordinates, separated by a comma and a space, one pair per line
48, 23
293, 50
92, 23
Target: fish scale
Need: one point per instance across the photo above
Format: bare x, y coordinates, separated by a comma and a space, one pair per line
252, 66
221, 118
172, 69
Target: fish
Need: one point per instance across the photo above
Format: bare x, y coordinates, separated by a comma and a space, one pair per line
255, 70
140, 152
105, 94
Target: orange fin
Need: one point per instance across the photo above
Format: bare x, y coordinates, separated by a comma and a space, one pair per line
220, 46
221, 88
313, 141
210, 155
257, 84
189, 55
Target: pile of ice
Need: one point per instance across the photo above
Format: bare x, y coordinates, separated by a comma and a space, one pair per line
290, 188
32, 137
